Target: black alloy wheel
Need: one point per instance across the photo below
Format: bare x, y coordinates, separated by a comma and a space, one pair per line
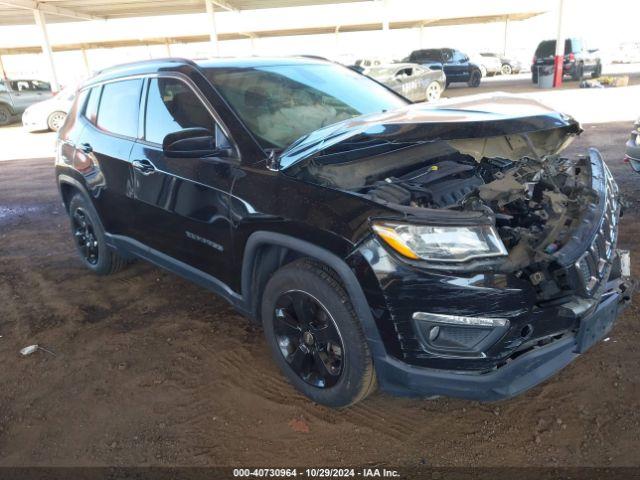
85, 237
474, 79
308, 338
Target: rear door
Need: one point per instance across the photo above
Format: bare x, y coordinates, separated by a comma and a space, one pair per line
102, 153
182, 203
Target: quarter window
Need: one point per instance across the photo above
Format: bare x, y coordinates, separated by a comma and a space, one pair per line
172, 106
119, 105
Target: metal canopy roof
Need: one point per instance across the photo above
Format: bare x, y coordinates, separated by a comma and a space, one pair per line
19, 12
275, 33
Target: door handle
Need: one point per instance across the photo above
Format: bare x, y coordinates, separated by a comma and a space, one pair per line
86, 148
145, 167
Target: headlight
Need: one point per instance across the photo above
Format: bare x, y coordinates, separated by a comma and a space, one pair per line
441, 244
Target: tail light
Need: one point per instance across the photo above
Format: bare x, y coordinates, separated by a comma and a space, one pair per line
534, 59
571, 57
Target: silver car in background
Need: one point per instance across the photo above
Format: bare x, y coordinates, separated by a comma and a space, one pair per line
412, 81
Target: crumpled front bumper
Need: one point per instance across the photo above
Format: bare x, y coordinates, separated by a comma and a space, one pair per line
517, 375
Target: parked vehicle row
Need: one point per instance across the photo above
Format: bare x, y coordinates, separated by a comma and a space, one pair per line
426, 250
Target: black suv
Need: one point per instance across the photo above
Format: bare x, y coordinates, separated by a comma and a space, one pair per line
432, 251
577, 60
456, 65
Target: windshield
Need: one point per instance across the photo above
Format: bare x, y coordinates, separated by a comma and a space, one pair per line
282, 103
426, 56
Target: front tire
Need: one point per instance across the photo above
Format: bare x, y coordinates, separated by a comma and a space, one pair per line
597, 72
474, 79
56, 120
506, 69
315, 336
90, 239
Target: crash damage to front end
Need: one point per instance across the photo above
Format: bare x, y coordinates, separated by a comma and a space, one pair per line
495, 264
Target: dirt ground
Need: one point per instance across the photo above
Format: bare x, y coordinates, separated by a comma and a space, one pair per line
152, 370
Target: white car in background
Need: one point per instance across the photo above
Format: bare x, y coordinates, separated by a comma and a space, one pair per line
49, 114
489, 66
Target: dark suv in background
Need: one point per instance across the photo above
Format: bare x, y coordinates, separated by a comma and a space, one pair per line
456, 65
432, 251
578, 61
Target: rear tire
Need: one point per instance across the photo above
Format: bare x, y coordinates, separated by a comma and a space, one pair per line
315, 336
434, 90
90, 239
597, 72
5, 115
578, 73
474, 79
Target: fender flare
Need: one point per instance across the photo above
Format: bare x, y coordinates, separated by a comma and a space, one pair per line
348, 278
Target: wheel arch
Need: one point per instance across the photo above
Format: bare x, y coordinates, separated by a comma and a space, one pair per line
12, 112
266, 252
68, 186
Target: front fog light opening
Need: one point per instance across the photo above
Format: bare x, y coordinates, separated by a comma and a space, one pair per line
461, 320
457, 335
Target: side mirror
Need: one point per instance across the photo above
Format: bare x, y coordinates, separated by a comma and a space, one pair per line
192, 143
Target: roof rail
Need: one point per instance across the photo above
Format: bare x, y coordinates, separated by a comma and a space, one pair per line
141, 63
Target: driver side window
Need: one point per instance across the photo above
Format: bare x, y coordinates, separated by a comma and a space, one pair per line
172, 106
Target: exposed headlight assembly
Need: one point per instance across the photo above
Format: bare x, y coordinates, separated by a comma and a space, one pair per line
441, 243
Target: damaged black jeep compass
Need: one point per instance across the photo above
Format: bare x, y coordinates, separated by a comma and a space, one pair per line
430, 250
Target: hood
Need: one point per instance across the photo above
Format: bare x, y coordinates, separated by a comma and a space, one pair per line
465, 119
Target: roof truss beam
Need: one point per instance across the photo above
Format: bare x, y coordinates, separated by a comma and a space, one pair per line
226, 5
48, 9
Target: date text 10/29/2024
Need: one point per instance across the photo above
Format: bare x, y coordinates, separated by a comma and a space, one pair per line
315, 473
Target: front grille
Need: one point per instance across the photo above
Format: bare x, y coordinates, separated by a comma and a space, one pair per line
594, 265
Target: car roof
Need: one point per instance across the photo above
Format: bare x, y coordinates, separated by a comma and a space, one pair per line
175, 63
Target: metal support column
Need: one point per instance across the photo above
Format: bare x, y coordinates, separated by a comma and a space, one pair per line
385, 30
85, 60
2, 72
213, 33
46, 49
506, 34
558, 61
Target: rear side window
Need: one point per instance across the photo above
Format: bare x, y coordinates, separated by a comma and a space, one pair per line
119, 106
91, 107
172, 106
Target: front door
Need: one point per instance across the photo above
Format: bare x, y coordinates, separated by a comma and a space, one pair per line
182, 202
